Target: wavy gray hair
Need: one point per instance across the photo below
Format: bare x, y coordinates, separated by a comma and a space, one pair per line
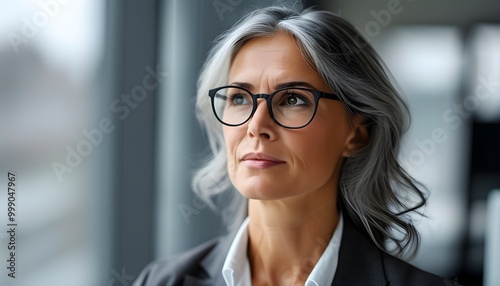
378, 194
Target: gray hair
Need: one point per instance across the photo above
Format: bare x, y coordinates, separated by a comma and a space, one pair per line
377, 193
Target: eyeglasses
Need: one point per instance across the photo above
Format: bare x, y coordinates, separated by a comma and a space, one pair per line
291, 107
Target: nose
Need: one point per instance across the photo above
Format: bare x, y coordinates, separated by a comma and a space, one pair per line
261, 125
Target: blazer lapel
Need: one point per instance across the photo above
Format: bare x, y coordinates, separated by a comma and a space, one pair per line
360, 261
194, 281
212, 264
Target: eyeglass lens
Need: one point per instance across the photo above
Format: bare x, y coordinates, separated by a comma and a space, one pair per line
293, 107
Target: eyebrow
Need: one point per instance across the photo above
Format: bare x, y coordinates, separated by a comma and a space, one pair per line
250, 86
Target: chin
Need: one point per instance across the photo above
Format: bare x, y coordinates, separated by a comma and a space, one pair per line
264, 192
261, 187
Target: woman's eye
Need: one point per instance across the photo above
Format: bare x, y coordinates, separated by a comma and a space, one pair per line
239, 99
294, 99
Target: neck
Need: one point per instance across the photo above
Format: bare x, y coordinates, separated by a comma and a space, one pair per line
287, 237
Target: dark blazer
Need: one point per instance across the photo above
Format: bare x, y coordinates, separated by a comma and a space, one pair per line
360, 263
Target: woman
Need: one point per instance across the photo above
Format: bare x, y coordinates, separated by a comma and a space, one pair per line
307, 129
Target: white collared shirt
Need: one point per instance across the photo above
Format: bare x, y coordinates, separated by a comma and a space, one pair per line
236, 269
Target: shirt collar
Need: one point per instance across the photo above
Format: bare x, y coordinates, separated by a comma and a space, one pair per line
324, 271
236, 269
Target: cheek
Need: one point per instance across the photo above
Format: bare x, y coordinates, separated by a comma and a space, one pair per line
232, 138
319, 151
228, 141
324, 144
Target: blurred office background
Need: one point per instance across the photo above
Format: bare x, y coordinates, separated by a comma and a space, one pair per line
97, 121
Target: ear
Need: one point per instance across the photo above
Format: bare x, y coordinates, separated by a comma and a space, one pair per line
357, 137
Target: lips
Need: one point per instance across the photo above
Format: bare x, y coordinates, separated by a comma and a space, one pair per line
260, 160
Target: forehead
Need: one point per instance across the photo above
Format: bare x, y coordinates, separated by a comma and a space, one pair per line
276, 43
275, 58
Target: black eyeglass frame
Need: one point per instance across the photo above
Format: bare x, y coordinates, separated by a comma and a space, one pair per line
268, 97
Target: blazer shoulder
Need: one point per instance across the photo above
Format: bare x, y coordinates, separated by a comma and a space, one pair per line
172, 270
400, 272
361, 262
